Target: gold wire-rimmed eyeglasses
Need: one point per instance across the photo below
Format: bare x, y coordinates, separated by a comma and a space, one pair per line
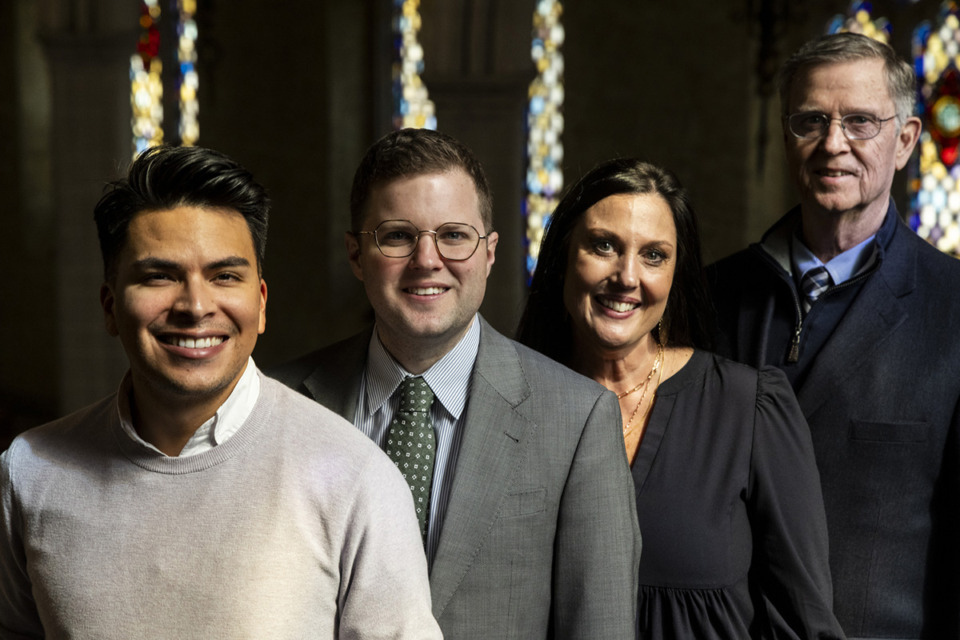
398, 239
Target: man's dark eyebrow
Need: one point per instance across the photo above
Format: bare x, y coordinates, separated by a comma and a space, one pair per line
160, 264
232, 261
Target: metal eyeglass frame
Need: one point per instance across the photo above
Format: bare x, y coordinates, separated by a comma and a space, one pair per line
843, 126
420, 232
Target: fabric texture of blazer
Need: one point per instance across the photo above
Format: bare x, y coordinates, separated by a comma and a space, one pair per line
882, 398
540, 538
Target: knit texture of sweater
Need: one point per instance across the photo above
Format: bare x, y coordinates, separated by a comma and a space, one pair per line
296, 527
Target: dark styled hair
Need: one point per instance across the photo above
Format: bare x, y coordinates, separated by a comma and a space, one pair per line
167, 177
846, 47
413, 152
545, 324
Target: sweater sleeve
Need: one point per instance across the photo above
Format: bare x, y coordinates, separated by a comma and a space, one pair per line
18, 611
384, 589
791, 559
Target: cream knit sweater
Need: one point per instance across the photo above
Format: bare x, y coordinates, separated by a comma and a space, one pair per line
298, 527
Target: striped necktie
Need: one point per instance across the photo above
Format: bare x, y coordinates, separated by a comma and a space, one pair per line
813, 283
411, 444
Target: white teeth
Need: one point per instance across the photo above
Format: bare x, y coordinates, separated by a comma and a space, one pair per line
201, 343
426, 291
616, 305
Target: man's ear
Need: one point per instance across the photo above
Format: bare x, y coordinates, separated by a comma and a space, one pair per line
907, 140
492, 239
352, 243
263, 307
108, 301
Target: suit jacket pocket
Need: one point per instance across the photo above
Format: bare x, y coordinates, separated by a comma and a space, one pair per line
524, 503
889, 432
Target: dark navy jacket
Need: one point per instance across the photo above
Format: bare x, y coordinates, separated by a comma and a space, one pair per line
876, 369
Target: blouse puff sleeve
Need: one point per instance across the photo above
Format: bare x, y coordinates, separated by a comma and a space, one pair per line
785, 503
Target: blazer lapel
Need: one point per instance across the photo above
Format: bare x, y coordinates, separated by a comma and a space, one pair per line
879, 309
338, 388
489, 455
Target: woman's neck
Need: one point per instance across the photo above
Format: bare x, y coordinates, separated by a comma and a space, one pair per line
618, 370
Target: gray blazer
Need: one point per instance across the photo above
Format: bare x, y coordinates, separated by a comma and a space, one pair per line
540, 538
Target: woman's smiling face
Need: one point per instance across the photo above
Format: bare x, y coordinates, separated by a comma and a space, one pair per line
620, 269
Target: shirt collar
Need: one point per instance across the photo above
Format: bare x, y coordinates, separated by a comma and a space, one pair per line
448, 378
841, 267
228, 419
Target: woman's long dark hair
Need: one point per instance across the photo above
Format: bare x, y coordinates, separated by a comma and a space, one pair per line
545, 324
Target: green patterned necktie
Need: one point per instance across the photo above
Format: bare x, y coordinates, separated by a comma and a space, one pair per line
410, 444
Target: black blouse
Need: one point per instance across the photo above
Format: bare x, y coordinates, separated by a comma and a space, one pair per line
730, 509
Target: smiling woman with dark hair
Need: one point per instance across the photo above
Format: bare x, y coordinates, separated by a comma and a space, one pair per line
728, 496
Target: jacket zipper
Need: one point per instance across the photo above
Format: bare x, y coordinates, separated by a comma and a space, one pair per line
793, 356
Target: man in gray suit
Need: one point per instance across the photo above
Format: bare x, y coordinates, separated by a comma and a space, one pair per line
516, 463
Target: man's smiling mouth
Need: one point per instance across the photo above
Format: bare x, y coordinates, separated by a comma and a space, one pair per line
192, 343
425, 291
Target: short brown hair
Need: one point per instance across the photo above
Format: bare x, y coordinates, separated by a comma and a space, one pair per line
413, 152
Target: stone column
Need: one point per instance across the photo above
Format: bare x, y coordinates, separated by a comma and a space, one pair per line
88, 46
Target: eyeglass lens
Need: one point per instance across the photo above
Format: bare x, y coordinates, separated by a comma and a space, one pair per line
398, 239
856, 126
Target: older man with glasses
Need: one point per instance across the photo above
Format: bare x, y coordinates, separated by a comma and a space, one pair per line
864, 318
516, 464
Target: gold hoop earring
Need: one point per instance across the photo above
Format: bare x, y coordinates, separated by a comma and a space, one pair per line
661, 334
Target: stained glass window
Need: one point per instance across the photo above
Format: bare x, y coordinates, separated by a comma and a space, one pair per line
935, 175
859, 20
412, 106
544, 180
146, 86
146, 75
188, 81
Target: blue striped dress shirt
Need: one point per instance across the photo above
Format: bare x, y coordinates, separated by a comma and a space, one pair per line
449, 379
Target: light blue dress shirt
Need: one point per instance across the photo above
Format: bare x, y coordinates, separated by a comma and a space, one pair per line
841, 267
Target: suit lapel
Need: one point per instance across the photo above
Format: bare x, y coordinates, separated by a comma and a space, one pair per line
338, 388
490, 453
880, 308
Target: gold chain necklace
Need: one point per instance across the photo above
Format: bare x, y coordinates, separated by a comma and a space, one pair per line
657, 366
621, 396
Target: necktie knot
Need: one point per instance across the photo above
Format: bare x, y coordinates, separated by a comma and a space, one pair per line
415, 395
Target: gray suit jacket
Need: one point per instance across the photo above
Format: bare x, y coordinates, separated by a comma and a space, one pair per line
540, 538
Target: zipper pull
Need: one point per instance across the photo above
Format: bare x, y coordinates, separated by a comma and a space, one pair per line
794, 354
